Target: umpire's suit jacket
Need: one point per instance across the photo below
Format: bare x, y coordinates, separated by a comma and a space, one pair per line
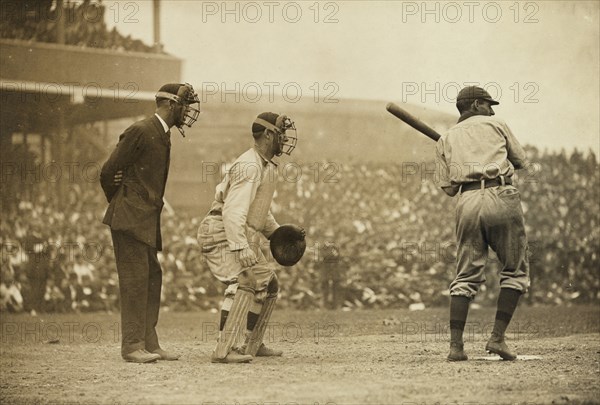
143, 154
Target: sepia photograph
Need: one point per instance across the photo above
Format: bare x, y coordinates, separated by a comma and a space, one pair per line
299, 202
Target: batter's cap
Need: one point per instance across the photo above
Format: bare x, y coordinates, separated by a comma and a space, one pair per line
475, 93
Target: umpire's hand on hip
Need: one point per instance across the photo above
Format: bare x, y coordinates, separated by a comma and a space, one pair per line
247, 257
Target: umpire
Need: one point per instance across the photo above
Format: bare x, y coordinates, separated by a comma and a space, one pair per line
133, 180
477, 158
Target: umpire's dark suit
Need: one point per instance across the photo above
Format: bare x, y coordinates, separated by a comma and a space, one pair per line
133, 214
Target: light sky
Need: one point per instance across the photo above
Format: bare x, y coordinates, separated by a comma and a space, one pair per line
541, 59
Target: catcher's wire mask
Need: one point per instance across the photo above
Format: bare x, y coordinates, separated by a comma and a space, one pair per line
285, 128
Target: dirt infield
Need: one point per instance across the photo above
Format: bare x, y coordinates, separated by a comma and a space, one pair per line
364, 357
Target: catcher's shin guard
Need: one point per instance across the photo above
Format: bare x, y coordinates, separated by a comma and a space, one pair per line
235, 323
256, 338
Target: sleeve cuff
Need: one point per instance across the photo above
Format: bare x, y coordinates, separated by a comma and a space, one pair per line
235, 246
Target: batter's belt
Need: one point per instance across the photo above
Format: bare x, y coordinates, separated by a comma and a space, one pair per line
476, 185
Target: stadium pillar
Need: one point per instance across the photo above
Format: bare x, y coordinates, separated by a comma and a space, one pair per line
157, 44
58, 154
28, 183
11, 169
60, 22
43, 161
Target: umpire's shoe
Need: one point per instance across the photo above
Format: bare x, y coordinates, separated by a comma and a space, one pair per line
457, 352
232, 357
164, 355
141, 356
497, 345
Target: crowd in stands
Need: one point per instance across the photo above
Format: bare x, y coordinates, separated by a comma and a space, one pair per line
84, 24
394, 230
379, 236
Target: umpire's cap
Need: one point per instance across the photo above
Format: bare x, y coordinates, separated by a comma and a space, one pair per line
182, 93
288, 244
475, 93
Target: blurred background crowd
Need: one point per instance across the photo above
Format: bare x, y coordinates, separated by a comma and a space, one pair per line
84, 24
379, 236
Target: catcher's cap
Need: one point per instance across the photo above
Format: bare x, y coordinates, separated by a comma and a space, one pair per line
263, 120
475, 93
288, 244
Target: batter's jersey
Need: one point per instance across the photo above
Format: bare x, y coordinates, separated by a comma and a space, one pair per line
478, 148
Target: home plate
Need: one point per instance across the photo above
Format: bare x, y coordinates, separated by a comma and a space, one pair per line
498, 358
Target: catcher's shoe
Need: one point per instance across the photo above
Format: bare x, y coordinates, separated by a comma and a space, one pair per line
457, 352
497, 345
232, 357
264, 351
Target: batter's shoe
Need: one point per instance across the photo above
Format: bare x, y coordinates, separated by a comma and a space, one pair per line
457, 352
497, 345
232, 357
141, 356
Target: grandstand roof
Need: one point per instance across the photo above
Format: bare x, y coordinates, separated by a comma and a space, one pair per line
88, 84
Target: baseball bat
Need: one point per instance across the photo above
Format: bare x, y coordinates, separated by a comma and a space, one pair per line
413, 121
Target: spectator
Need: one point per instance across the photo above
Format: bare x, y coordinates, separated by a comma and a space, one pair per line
396, 247
83, 269
84, 25
10, 294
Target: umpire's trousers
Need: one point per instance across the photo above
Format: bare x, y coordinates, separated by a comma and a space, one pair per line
140, 282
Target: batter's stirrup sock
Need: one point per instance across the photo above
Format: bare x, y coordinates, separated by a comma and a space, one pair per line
459, 309
235, 323
507, 303
256, 338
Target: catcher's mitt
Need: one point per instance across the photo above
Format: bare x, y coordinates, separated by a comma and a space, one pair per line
288, 244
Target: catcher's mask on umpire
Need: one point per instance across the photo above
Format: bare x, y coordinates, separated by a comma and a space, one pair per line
185, 96
282, 126
288, 244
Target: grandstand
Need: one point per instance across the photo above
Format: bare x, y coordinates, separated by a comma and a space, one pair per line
335, 133
61, 71
63, 79
65, 98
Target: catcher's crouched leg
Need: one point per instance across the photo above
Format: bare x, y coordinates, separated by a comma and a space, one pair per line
255, 345
236, 322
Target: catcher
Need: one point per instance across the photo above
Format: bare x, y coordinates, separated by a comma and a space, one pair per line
230, 239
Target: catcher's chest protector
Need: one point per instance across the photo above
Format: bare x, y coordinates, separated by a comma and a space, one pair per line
259, 208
